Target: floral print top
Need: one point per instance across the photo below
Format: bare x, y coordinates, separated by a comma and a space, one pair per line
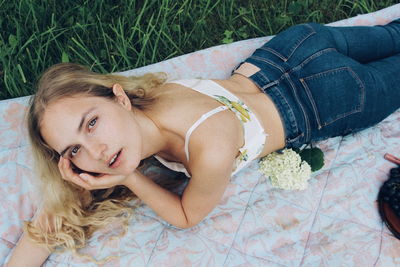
254, 134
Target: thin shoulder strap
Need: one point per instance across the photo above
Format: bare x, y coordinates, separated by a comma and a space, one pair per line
197, 123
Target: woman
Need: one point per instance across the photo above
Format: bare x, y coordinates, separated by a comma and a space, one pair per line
310, 82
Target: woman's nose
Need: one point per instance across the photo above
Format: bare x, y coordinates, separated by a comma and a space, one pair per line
96, 150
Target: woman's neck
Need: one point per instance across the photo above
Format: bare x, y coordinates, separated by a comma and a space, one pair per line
153, 141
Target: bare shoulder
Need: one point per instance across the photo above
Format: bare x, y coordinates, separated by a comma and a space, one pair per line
212, 150
172, 99
215, 143
217, 138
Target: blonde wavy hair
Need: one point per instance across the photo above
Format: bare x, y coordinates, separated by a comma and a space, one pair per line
70, 214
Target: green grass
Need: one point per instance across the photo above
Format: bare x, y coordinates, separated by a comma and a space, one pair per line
116, 37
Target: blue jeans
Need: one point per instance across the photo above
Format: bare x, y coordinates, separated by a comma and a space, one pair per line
328, 81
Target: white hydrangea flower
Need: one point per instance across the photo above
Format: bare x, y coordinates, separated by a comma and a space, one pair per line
286, 170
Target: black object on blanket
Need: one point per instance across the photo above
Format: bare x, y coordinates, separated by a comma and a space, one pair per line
389, 198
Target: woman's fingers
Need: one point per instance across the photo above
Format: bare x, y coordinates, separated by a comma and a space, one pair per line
105, 181
64, 169
86, 180
67, 168
68, 174
76, 179
61, 167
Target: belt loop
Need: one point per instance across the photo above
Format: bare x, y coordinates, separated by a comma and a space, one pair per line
268, 85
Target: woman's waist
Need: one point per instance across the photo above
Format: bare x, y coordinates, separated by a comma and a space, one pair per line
265, 110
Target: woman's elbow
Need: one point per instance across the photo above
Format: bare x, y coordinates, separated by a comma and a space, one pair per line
186, 224
182, 226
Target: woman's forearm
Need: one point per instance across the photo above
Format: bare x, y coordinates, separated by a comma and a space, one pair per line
27, 253
165, 203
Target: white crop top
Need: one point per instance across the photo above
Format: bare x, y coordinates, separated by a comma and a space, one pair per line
254, 135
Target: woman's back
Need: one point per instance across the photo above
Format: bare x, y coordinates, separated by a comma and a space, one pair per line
190, 105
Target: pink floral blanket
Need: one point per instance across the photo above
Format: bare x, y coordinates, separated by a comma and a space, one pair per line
333, 223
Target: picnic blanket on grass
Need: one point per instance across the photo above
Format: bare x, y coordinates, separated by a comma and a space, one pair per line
334, 222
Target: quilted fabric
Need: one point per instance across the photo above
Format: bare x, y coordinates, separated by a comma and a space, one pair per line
334, 222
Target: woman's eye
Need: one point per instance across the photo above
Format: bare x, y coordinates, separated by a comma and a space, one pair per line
92, 123
74, 150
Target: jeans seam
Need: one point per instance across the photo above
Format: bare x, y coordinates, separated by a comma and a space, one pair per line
312, 102
317, 54
268, 85
277, 92
268, 62
295, 46
299, 42
275, 82
264, 76
307, 133
361, 83
273, 51
294, 139
324, 73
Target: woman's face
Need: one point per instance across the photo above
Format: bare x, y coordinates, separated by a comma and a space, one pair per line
94, 129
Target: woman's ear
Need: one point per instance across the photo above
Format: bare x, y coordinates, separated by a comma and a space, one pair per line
122, 98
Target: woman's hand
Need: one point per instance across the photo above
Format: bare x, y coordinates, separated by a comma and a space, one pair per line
87, 181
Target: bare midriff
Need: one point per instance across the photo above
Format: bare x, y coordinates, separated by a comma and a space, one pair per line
262, 106
193, 104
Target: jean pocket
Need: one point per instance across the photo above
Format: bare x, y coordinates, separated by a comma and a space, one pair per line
334, 94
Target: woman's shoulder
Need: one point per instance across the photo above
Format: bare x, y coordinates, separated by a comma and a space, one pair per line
171, 100
179, 108
178, 103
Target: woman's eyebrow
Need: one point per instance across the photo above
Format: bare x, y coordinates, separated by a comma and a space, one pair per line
79, 128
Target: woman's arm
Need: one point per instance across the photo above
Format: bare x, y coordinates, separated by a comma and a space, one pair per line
27, 253
210, 171
211, 168
214, 146
202, 194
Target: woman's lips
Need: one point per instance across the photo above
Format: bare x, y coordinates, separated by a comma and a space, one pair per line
117, 161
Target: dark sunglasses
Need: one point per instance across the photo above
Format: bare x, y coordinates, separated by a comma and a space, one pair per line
389, 198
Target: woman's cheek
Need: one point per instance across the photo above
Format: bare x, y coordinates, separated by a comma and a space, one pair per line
83, 164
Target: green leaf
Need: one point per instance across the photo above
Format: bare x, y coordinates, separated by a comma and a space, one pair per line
228, 37
295, 8
12, 40
314, 157
176, 27
243, 10
243, 32
103, 53
283, 19
64, 57
227, 40
21, 72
